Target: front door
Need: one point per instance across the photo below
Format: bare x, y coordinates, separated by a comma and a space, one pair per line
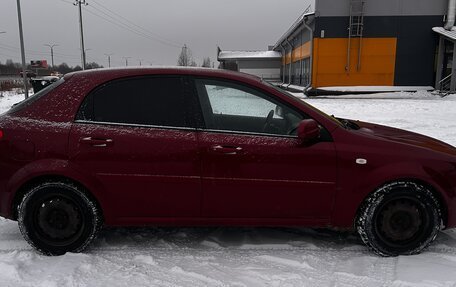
253, 165
137, 139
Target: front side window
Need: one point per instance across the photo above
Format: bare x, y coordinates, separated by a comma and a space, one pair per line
157, 101
231, 107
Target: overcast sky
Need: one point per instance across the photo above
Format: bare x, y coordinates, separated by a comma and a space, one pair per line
201, 24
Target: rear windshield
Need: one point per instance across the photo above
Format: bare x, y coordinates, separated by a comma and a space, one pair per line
25, 103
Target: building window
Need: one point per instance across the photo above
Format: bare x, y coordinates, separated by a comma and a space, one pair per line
297, 73
305, 72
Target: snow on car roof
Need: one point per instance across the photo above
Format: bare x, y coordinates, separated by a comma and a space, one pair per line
142, 70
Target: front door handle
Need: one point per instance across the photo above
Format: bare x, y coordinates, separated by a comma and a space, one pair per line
228, 150
97, 142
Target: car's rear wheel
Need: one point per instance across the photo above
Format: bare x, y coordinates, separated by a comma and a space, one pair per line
58, 217
400, 218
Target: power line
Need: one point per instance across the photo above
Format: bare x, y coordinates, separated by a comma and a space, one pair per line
140, 31
17, 52
7, 55
121, 25
29, 51
160, 38
68, 2
118, 24
39, 53
122, 22
133, 29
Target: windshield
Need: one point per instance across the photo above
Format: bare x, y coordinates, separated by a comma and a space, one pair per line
283, 92
19, 106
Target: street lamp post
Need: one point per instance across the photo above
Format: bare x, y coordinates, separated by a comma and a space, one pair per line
126, 61
109, 59
21, 36
52, 52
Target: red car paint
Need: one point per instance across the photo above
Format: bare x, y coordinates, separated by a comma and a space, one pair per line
142, 175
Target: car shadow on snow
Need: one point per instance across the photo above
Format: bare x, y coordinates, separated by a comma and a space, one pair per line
225, 237
207, 238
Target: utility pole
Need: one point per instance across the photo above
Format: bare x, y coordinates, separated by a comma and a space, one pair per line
52, 52
109, 59
126, 61
79, 3
85, 55
1, 92
21, 36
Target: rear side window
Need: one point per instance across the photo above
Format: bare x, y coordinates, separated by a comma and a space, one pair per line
157, 101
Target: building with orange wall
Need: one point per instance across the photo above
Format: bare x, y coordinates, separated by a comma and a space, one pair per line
365, 43
369, 43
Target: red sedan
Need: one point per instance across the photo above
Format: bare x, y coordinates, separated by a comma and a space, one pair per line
192, 147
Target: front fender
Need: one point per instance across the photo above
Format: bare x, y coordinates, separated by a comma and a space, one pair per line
352, 194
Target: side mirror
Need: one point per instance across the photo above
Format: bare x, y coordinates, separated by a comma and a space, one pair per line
308, 130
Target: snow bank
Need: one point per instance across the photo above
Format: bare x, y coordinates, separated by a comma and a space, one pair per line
8, 99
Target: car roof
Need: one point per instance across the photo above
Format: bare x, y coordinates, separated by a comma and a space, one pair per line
113, 73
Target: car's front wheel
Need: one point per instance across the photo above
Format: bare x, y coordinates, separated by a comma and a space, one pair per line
400, 218
58, 217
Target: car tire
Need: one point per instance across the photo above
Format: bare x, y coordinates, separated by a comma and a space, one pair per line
400, 218
58, 217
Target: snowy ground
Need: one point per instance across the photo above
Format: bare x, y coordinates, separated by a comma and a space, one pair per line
250, 256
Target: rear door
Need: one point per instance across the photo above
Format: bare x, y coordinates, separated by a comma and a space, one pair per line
253, 165
136, 136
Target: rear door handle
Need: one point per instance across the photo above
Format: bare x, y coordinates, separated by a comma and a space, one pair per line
97, 142
228, 150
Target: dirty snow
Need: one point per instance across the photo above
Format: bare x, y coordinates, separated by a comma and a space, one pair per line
250, 256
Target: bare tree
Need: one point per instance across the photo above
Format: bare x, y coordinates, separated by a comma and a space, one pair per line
206, 62
186, 58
